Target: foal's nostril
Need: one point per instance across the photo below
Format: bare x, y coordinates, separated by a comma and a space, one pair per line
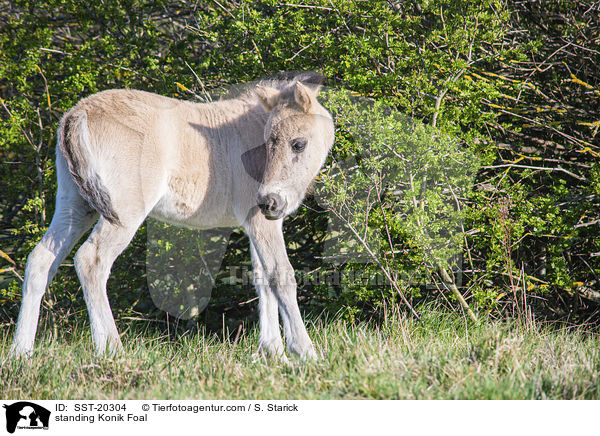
270, 203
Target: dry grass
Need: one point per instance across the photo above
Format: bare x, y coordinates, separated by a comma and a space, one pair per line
440, 358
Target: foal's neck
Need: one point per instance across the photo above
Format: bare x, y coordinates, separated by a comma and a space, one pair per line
243, 117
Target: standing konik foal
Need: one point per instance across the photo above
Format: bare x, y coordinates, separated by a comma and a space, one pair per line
124, 155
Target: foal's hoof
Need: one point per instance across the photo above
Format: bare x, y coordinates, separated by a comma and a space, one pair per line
310, 355
18, 353
262, 355
307, 354
20, 350
110, 348
271, 353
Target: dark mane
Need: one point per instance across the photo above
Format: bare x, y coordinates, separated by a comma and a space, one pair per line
279, 81
284, 78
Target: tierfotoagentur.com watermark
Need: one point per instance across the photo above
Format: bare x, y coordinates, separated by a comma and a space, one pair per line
390, 183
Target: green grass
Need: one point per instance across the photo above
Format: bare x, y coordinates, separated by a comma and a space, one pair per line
439, 358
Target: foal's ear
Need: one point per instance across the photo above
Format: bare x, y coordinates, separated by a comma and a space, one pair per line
268, 96
304, 96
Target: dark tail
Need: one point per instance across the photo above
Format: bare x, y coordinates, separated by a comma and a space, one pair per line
74, 144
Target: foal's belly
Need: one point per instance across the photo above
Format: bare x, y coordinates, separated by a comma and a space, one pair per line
200, 221
191, 204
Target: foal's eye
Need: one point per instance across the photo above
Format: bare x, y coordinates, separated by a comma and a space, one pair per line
298, 145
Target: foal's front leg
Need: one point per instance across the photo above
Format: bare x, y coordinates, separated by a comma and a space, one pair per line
269, 340
267, 240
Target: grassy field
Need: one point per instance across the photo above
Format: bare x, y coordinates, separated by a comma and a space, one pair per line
440, 358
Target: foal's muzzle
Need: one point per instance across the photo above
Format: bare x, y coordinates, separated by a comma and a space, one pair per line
272, 206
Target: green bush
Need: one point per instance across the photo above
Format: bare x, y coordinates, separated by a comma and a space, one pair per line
489, 75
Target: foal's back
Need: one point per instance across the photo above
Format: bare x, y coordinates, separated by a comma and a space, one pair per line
164, 157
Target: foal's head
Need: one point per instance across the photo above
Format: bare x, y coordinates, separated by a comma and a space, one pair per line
298, 136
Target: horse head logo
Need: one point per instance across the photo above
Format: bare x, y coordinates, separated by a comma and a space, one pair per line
29, 415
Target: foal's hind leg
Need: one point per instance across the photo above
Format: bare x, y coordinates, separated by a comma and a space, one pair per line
93, 262
71, 220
